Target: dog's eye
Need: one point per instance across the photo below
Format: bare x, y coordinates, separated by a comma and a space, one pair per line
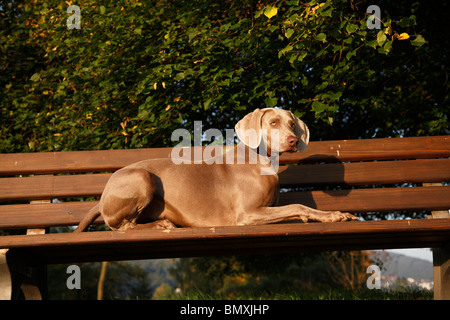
273, 123
293, 125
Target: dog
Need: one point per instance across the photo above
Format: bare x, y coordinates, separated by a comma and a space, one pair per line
160, 194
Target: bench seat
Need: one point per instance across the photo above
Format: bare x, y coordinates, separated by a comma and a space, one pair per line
187, 242
40, 191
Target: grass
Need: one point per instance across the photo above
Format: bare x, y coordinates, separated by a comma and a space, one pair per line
330, 294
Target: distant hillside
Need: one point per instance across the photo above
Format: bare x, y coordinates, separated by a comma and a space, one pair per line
395, 265
402, 266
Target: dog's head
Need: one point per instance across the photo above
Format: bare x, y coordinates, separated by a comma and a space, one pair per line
266, 125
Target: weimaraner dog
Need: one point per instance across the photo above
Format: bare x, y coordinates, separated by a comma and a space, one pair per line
158, 193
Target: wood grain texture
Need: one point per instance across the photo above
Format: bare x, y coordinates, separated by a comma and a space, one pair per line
359, 173
51, 187
355, 201
75, 161
184, 242
373, 199
326, 151
422, 159
366, 173
21, 216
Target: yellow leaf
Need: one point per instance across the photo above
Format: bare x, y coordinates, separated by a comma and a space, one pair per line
403, 36
177, 99
270, 12
155, 85
307, 10
168, 107
164, 85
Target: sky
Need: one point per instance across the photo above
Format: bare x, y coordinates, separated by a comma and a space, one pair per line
423, 253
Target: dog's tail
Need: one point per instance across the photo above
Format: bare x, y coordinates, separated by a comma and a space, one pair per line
92, 214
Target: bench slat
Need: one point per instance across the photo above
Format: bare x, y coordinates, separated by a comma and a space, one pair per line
372, 200
50, 187
342, 150
383, 172
75, 161
373, 149
21, 216
189, 242
357, 173
355, 200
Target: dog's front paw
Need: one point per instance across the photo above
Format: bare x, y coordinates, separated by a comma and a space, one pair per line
332, 216
343, 216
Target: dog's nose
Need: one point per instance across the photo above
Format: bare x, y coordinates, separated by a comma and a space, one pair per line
292, 141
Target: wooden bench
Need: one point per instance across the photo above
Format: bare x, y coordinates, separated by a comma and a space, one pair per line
39, 191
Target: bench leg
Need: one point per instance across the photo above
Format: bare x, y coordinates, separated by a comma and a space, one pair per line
22, 280
441, 258
441, 271
5, 277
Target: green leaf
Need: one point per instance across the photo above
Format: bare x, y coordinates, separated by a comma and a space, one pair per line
207, 103
35, 77
323, 85
180, 76
318, 107
192, 35
330, 120
328, 13
138, 31
304, 82
289, 33
299, 114
258, 13
418, 41
271, 101
350, 54
269, 12
302, 56
272, 28
371, 43
407, 22
321, 37
351, 28
335, 95
284, 50
381, 37
386, 48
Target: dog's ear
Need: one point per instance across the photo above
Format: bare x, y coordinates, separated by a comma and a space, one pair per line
248, 129
302, 133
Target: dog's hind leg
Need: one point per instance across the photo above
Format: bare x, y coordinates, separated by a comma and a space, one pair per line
126, 196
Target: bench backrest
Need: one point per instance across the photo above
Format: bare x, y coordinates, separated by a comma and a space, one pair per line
39, 190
